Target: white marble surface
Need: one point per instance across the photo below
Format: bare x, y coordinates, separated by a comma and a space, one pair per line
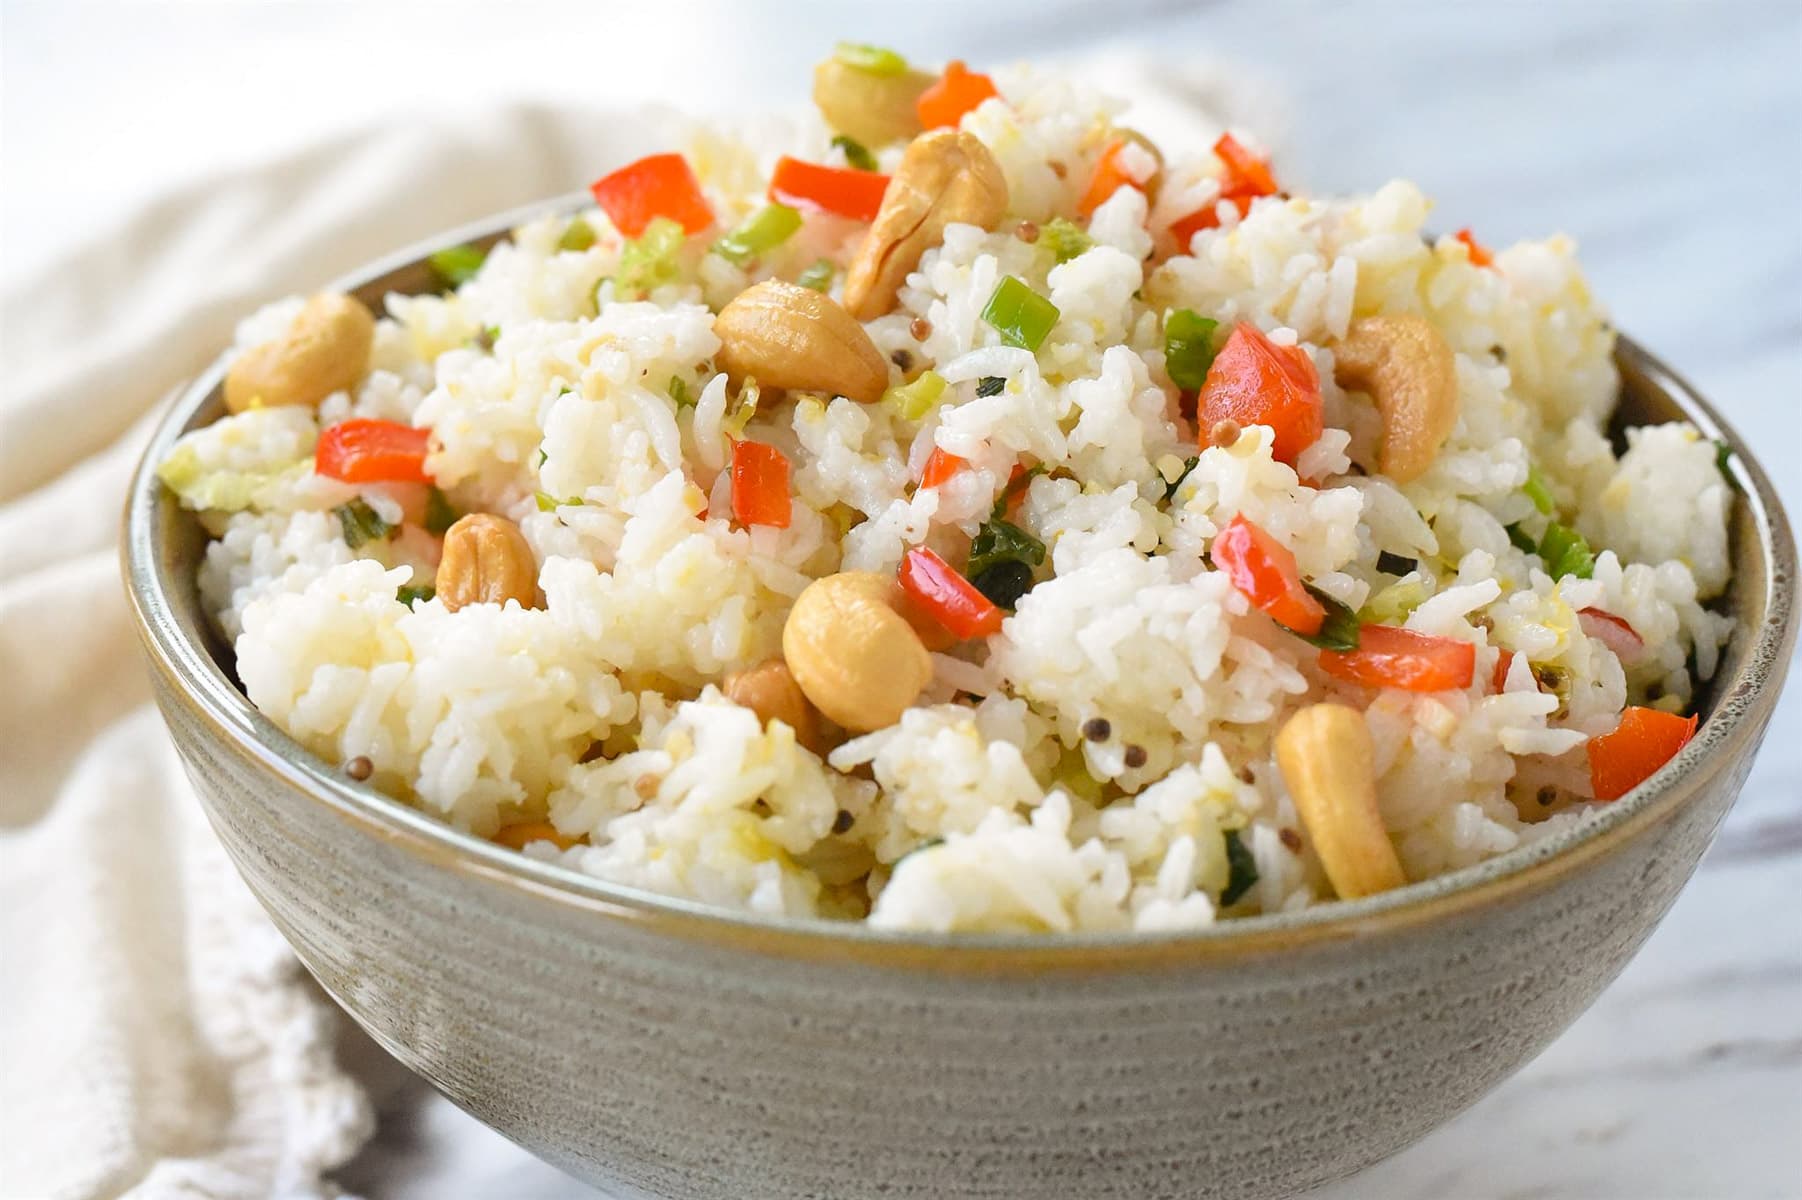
1667, 137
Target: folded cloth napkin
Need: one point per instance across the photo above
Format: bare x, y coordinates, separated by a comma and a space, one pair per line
158, 1038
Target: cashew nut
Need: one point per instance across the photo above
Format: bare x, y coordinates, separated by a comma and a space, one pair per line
946, 177
770, 691
1328, 761
886, 589
1410, 373
875, 109
486, 560
791, 337
325, 350
855, 657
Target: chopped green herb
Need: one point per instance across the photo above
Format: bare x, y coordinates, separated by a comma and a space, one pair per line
1241, 868
550, 503
543, 458
1395, 564
579, 235
818, 277
490, 335
648, 261
1340, 629
457, 265
1014, 486
759, 233
1065, 239
678, 392
1020, 315
361, 524
855, 153
1566, 552
1392, 605
874, 60
1188, 465
1722, 454
1522, 540
406, 593
914, 400
1538, 492
1188, 348
1000, 540
990, 385
440, 514
1004, 583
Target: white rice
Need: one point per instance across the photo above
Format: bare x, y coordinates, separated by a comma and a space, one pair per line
600, 711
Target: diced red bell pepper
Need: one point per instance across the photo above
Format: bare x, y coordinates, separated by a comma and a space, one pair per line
1264, 570
1479, 257
940, 466
760, 493
1247, 178
662, 185
365, 451
1254, 381
1245, 171
1498, 679
1645, 740
1109, 177
842, 190
1402, 658
955, 93
952, 600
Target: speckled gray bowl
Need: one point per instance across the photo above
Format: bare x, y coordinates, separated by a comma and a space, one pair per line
659, 1048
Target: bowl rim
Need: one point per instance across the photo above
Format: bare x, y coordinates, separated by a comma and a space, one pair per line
1742, 707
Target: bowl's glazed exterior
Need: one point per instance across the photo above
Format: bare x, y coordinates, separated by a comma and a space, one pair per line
660, 1049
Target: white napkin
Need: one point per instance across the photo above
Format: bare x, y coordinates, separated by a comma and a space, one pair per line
157, 1036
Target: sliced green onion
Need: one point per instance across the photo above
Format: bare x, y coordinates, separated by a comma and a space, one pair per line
1566, 552
759, 233
914, 400
1392, 605
875, 60
649, 260
1065, 239
855, 153
1188, 348
1722, 454
550, 503
440, 514
1522, 540
406, 593
1538, 492
1000, 540
678, 392
1242, 870
1340, 629
818, 277
457, 265
1020, 315
361, 524
990, 385
578, 236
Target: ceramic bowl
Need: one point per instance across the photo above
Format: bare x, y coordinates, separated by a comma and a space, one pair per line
662, 1048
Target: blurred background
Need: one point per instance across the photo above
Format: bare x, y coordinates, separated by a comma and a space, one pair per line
1666, 137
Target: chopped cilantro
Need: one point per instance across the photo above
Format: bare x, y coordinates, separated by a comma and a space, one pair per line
361, 524
440, 514
1340, 629
1242, 870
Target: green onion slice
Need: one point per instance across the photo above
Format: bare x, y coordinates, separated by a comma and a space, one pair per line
855, 153
457, 265
1566, 552
875, 60
759, 233
1020, 315
818, 277
1188, 348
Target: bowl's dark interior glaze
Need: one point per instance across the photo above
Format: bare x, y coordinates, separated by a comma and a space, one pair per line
165, 544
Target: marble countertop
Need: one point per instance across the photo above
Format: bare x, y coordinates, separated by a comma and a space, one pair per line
1666, 137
